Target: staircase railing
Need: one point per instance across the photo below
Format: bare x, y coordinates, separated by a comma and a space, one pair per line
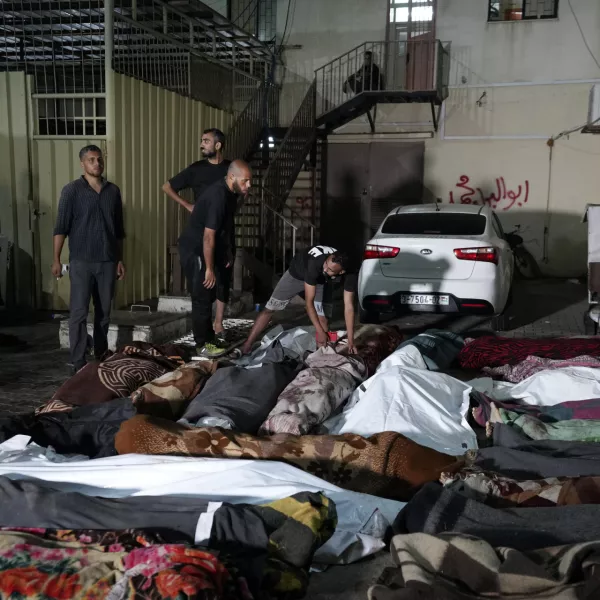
415, 66
285, 236
246, 130
281, 174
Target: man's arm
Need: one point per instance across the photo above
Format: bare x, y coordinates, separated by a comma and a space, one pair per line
168, 189
62, 228
120, 235
209, 257
309, 297
58, 242
181, 181
349, 317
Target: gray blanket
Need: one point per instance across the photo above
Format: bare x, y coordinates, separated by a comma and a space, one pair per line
436, 510
456, 567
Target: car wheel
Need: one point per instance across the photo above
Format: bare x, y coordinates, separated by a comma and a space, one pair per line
500, 322
369, 316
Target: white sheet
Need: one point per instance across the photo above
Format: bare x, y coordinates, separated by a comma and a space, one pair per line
545, 388
427, 407
218, 480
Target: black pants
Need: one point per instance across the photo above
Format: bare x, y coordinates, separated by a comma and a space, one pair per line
94, 281
202, 299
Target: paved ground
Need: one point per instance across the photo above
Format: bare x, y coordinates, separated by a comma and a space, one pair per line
32, 367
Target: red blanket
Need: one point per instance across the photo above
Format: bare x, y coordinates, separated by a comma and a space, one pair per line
496, 352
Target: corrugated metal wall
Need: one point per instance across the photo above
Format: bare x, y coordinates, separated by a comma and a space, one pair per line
55, 162
15, 188
157, 133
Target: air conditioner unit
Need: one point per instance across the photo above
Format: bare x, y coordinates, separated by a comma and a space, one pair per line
593, 122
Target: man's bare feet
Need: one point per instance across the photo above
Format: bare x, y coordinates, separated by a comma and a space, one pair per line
246, 348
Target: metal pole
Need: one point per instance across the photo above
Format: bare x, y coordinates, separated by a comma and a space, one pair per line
109, 79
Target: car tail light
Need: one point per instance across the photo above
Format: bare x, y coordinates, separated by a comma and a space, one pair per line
489, 254
374, 251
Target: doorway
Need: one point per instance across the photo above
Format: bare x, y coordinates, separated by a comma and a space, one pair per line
365, 181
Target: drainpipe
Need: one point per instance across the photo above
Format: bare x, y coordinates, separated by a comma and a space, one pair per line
547, 217
109, 84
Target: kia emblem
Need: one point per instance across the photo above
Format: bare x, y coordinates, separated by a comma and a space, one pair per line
426, 251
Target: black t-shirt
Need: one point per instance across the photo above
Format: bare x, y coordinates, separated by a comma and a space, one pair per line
307, 265
198, 176
215, 209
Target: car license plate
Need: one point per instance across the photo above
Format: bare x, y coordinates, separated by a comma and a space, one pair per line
425, 299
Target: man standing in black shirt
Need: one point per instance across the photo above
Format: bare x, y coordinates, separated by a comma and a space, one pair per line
309, 272
205, 246
199, 176
90, 214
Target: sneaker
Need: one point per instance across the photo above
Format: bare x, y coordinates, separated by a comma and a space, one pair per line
211, 349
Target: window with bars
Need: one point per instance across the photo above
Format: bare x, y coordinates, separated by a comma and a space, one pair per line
520, 10
62, 116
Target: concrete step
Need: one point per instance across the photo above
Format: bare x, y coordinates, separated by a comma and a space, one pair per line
239, 303
137, 326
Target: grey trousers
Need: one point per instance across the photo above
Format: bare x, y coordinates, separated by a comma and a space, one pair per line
90, 281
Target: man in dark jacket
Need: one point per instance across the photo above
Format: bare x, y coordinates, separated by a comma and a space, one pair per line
90, 214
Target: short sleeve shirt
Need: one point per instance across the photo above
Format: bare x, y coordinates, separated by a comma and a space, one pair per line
307, 266
199, 176
215, 209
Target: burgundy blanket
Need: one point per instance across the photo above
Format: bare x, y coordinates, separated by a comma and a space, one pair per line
496, 351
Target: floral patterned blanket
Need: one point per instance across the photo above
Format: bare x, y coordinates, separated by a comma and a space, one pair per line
386, 464
41, 565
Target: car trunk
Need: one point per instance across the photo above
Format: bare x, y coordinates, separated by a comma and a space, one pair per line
428, 258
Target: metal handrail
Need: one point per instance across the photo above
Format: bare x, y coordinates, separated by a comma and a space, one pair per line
414, 66
278, 214
248, 127
287, 162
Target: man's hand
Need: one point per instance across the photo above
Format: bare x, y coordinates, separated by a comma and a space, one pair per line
57, 269
322, 338
351, 348
120, 270
189, 207
209, 280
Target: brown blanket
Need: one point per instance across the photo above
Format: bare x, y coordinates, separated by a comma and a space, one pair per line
169, 395
387, 464
120, 374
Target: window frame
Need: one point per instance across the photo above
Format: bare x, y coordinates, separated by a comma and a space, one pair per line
554, 15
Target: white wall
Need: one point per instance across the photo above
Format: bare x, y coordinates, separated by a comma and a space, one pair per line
327, 28
531, 74
542, 50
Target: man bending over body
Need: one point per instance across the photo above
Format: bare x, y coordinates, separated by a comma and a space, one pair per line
309, 272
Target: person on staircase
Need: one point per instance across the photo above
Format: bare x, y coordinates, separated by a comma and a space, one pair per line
197, 177
310, 271
206, 249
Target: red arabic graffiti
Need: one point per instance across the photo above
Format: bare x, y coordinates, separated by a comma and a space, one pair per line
501, 198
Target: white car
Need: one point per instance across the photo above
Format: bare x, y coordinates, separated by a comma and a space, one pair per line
437, 258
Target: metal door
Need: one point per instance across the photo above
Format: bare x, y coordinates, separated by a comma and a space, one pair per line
364, 182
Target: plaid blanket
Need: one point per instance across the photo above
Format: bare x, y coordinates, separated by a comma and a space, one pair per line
458, 567
387, 464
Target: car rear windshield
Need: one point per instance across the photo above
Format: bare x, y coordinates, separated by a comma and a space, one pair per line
435, 223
